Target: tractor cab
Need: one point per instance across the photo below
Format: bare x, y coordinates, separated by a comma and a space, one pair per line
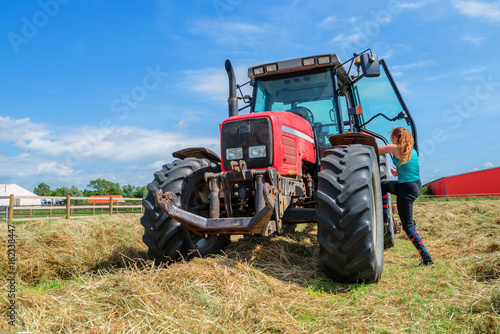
322, 90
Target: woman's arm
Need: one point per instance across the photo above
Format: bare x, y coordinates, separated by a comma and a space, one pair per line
391, 148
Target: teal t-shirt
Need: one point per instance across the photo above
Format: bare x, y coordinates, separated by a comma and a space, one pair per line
410, 171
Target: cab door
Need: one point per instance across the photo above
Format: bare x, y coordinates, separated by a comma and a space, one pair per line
380, 95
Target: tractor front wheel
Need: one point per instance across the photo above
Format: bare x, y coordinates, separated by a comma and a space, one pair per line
350, 220
166, 238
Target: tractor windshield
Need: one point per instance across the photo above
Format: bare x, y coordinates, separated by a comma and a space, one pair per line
380, 96
308, 94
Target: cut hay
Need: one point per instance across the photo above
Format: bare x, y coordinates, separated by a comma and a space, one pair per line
486, 269
92, 276
61, 249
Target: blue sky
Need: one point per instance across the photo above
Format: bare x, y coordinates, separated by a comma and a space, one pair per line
109, 89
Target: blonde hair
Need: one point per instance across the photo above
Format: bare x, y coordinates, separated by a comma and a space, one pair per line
404, 142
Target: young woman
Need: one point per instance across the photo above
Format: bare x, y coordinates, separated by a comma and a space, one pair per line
407, 187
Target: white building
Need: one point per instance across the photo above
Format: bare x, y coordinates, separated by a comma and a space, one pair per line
7, 189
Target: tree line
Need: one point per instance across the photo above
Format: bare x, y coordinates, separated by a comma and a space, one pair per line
95, 187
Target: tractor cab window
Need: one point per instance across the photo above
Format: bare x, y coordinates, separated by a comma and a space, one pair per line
310, 95
379, 96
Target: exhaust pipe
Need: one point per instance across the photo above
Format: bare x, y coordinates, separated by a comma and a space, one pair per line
232, 100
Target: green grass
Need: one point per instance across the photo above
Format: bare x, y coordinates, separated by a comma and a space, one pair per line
45, 285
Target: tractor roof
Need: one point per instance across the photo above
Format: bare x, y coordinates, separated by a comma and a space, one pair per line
301, 64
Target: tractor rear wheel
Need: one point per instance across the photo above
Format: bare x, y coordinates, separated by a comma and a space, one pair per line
167, 239
389, 223
349, 214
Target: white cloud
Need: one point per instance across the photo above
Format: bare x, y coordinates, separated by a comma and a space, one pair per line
128, 144
343, 39
475, 70
77, 155
478, 9
403, 88
20, 130
473, 40
231, 33
397, 74
418, 64
213, 83
331, 22
387, 55
489, 165
437, 77
327, 22
413, 5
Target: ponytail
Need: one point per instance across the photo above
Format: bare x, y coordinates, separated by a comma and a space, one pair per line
404, 142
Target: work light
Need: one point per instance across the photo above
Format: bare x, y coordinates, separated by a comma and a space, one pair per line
258, 70
324, 60
234, 153
257, 151
272, 68
308, 61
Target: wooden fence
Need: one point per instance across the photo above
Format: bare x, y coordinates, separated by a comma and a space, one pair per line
13, 213
68, 210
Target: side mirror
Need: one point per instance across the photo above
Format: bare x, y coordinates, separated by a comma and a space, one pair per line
370, 65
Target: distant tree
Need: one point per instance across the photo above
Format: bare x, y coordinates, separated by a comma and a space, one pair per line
141, 192
43, 189
130, 191
426, 191
88, 193
61, 192
75, 192
103, 187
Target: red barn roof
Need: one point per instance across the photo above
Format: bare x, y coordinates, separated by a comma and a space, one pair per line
98, 199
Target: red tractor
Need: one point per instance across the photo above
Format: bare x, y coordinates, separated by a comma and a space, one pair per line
305, 153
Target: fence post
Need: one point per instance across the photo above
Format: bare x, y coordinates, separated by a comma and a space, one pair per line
11, 209
68, 207
111, 205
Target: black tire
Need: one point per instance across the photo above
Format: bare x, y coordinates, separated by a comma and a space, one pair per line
350, 220
389, 223
167, 239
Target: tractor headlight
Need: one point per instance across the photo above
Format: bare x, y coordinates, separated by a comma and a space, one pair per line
234, 153
257, 151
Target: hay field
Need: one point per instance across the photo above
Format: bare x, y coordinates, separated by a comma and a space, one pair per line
92, 276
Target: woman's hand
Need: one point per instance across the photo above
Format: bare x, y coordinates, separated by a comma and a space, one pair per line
394, 171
